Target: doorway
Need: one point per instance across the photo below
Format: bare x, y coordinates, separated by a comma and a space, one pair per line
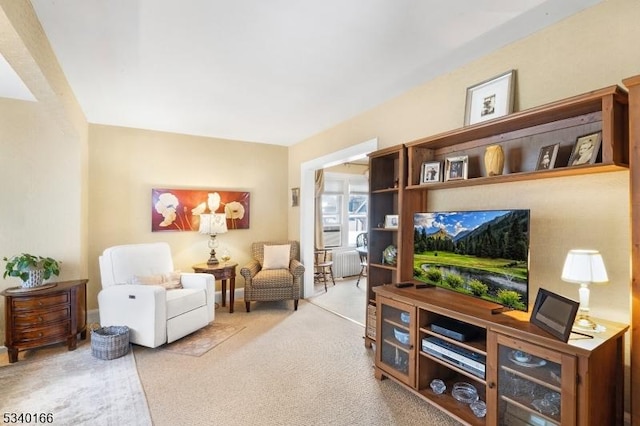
307, 177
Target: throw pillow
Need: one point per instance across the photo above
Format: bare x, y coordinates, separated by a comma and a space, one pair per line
155, 279
169, 281
276, 257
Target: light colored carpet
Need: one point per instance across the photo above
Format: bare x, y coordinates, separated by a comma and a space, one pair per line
75, 387
306, 367
203, 340
343, 299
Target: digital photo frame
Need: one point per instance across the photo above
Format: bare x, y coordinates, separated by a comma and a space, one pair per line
554, 314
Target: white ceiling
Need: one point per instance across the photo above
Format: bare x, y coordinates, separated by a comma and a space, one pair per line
274, 71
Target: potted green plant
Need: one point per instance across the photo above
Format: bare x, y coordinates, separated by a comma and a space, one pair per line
31, 269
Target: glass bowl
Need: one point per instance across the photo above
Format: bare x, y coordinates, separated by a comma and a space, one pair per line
464, 392
438, 386
401, 336
479, 408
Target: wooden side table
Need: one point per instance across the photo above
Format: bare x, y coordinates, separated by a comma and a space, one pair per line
40, 317
223, 272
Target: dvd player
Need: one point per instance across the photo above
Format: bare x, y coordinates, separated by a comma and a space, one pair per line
454, 329
467, 360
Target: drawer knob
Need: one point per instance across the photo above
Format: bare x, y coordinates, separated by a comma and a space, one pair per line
39, 334
40, 319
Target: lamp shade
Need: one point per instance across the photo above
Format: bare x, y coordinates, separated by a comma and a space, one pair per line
213, 224
584, 267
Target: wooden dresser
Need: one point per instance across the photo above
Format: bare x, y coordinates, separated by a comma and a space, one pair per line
43, 317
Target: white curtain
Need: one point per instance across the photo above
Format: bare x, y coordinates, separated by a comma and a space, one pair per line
319, 189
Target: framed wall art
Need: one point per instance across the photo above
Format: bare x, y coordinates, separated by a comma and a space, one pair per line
547, 157
431, 172
295, 197
456, 168
490, 99
586, 149
180, 209
554, 314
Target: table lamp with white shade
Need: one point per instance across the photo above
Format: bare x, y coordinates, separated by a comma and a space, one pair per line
212, 225
584, 267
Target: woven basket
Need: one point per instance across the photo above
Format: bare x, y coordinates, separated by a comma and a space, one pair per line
371, 321
110, 342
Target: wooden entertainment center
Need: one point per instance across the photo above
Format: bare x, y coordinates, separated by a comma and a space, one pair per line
581, 371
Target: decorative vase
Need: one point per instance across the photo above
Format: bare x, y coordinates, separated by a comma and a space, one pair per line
36, 279
494, 160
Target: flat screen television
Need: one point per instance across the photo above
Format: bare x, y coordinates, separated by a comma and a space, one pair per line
484, 254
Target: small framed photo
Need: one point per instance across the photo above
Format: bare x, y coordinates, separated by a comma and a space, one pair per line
490, 99
391, 221
586, 149
547, 157
554, 314
456, 168
295, 197
431, 172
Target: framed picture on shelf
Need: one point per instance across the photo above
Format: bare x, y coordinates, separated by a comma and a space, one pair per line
554, 313
391, 221
456, 168
490, 99
547, 157
431, 172
585, 151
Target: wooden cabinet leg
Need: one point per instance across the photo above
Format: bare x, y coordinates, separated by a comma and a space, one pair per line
72, 343
379, 375
13, 355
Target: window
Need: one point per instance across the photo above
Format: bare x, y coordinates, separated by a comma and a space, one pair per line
344, 208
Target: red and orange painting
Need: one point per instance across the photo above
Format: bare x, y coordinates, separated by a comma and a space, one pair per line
180, 209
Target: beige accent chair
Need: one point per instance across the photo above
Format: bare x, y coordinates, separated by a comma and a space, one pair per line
156, 312
264, 283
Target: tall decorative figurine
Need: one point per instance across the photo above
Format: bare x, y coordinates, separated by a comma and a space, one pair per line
494, 160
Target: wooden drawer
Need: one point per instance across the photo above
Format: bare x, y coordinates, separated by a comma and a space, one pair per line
41, 334
30, 303
40, 317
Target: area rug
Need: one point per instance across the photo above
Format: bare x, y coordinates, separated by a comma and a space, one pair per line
202, 341
74, 388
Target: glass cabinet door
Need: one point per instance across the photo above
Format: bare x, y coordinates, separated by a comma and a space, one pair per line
535, 385
396, 354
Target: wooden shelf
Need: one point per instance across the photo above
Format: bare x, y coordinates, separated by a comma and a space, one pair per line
385, 190
524, 133
383, 266
523, 176
605, 99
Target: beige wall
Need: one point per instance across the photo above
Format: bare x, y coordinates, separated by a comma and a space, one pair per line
582, 53
42, 173
125, 164
43, 154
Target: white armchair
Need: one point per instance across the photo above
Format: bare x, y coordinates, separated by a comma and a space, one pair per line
153, 314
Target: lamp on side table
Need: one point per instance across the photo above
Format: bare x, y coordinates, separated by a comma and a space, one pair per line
213, 224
